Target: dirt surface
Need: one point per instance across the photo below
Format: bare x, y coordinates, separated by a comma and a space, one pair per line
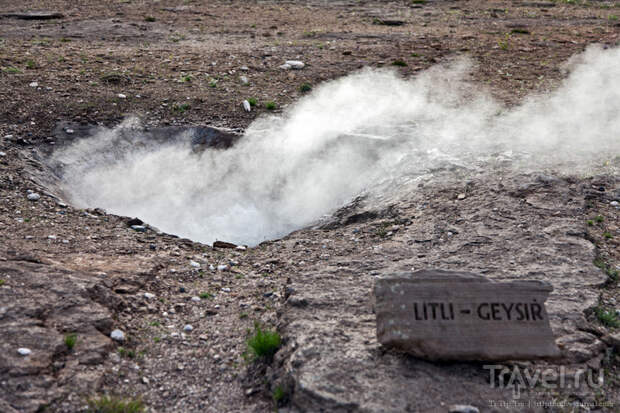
65, 270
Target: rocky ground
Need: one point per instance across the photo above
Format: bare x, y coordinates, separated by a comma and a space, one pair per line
185, 308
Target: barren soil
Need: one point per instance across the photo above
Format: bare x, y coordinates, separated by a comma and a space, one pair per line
66, 270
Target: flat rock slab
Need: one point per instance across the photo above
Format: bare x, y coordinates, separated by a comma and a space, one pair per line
450, 315
33, 15
332, 361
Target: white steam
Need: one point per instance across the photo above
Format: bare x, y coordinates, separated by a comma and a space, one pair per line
351, 133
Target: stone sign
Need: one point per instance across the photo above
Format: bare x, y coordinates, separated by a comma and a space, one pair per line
446, 315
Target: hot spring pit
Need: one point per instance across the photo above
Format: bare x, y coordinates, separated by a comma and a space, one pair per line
371, 133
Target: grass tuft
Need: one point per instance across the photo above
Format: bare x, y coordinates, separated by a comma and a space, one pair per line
70, 340
304, 88
270, 105
106, 404
263, 343
399, 62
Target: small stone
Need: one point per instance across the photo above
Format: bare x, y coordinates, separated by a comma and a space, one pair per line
244, 80
295, 64
244, 68
2, 154
24, 351
460, 196
138, 228
194, 264
145, 380
196, 299
462, 408
188, 328
117, 335
612, 203
241, 247
52, 237
285, 66
34, 196
222, 267
246, 106
226, 289
121, 96
34, 84
149, 296
70, 131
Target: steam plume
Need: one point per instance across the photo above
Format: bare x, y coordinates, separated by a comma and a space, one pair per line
370, 126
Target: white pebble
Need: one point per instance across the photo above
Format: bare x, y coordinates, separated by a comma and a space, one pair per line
34, 196
117, 335
149, 295
194, 264
188, 327
121, 96
295, 64
24, 351
246, 106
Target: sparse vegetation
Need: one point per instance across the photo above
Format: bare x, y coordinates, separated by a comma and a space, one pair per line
599, 218
608, 269
181, 108
186, 79
270, 105
149, 19
123, 352
607, 317
205, 295
252, 101
107, 404
607, 235
2, 282
11, 70
279, 395
31, 64
70, 340
262, 344
305, 87
504, 44
590, 222
399, 62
